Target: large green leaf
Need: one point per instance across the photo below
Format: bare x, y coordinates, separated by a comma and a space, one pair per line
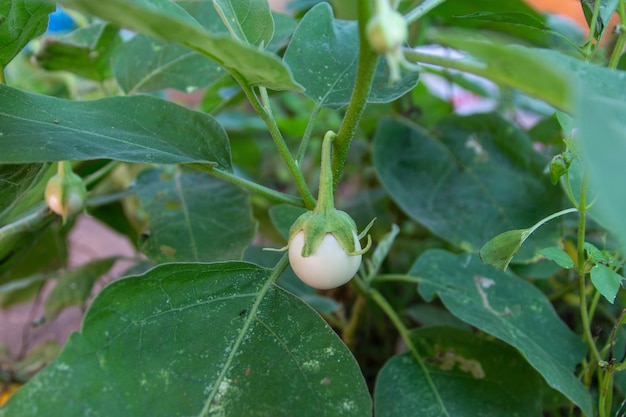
168, 21
323, 55
517, 67
145, 64
510, 17
193, 216
248, 21
601, 133
472, 377
468, 180
85, 52
21, 21
510, 309
35, 128
198, 339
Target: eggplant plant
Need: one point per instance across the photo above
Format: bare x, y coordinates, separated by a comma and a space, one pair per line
212, 133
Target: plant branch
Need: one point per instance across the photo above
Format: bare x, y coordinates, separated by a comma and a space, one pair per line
355, 316
366, 68
3, 80
266, 116
406, 337
621, 39
425, 7
582, 284
27, 223
592, 29
271, 194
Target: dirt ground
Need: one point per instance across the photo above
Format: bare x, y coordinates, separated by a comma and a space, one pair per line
89, 240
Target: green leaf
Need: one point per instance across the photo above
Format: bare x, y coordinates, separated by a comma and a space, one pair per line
15, 182
85, 52
514, 66
21, 21
471, 375
510, 309
601, 133
512, 17
144, 64
193, 217
198, 339
249, 21
606, 281
74, 287
323, 56
499, 251
168, 21
468, 180
559, 256
35, 128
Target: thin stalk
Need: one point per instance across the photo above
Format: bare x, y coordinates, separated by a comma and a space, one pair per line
592, 29
425, 7
27, 223
325, 197
271, 194
355, 317
550, 217
3, 80
621, 39
307, 197
406, 337
366, 68
582, 284
105, 170
306, 137
396, 278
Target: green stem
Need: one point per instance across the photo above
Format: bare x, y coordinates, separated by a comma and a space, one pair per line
425, 7
3, 80
606, 393
105, 170
355, 315
582, 284
366, 68
30, 222
550, 217
325, 198
621, 39
265, 114
273, 195
396, 278
404, 333
592, 29
64, 167
304, 143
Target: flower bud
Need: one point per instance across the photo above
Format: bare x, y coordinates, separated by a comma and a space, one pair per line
65, 192
387, 31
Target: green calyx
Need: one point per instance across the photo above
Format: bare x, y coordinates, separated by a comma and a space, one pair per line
325, 218
66, 193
